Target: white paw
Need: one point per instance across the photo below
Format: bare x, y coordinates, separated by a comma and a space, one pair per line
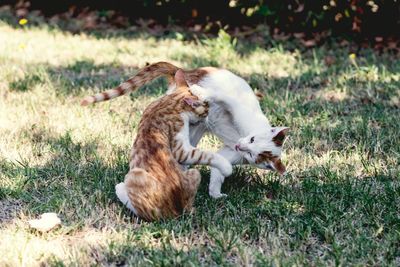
217, 194
122, 195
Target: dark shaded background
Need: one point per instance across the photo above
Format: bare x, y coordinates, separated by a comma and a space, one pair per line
375, 20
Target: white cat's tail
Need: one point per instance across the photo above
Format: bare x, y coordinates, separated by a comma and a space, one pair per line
122, 195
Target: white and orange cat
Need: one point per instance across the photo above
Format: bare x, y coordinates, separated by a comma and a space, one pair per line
156, 187
235, 116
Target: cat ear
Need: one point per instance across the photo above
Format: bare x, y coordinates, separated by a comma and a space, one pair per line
279, 167
279, 135
180, 79
191, 102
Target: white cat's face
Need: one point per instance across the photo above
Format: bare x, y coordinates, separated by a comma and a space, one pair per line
264, 149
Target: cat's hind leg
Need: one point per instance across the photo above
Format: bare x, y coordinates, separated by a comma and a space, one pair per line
136, 183
190, 183
216, 177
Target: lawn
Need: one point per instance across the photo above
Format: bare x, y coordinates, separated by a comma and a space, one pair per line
339, 204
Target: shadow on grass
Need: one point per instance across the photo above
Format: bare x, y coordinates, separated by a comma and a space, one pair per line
323, 205
347, 119
73, 178
79, 77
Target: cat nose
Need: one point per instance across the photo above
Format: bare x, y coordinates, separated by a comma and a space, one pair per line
237, 147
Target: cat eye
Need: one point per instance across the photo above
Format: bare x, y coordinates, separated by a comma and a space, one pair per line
252, 140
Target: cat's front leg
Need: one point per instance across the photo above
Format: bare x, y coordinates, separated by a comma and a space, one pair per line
196, 132
217, 178
202, 93
188, 155
216, 181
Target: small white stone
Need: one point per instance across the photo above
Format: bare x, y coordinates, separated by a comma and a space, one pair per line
46, 222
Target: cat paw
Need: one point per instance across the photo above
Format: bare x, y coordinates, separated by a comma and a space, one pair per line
120, 191
122, 195
217, 195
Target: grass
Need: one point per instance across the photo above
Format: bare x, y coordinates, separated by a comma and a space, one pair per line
339, 204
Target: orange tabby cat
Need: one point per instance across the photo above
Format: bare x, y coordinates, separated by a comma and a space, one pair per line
156, 186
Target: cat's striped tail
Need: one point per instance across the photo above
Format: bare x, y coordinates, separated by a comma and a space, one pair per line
144, 76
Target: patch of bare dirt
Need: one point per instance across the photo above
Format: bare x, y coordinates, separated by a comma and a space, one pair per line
9, 209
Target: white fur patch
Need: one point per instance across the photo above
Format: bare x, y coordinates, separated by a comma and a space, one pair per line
122, 195
238, 97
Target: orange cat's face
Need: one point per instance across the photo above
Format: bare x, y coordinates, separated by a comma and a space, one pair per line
191, 103
200, 108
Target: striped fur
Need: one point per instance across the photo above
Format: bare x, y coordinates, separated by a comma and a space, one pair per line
145, 75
